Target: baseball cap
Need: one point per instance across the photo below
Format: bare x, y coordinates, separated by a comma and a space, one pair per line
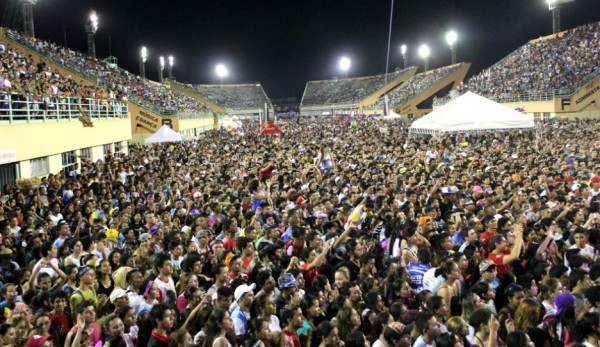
144, 237
562, 301
243, 289
485, 265
478, 189
300, 201
37, 340
116, 294
287, 280
595, 179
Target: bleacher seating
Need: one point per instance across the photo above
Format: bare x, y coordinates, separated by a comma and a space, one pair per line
414, 86
232, 96
32, 91
344, 91
540, 69
123, 84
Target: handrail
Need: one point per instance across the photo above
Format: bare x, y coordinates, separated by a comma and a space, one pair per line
17, 108
131, 97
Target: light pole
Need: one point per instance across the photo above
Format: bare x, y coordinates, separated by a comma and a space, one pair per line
91, 26
424, 54
221, 71
451, 38
143, 57
345, 66
554, 6
403, 51
27, 13
170, 69
161, 67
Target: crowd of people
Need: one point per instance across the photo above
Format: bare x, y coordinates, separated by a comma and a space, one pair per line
118, 83
27, 86
233, 96
348, 91
328, 235
547, 66
416, 85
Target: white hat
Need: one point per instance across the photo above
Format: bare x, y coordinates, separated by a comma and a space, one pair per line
116, 294
243, 289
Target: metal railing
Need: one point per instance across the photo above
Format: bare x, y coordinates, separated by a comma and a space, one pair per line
136, 99
17, 108
195, 115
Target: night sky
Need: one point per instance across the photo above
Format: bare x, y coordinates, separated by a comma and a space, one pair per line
284, 43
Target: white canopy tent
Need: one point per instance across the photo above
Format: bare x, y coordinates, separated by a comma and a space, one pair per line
164, 134
471, 113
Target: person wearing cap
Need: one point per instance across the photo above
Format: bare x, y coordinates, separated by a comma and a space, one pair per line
487, 270
86, 290
563, 322
243, 295
288, 287
118, 297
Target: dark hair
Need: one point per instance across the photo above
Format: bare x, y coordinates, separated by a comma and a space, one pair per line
446, 340
575, 276
355, 339
160, 259
422, 321
517, 338
586, 326
157, 313
445, 269
480, 316
434, 303
45, 248
288, 313
323, 330
83, 305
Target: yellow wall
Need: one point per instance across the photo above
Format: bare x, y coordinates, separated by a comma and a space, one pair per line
532, 106
34, 140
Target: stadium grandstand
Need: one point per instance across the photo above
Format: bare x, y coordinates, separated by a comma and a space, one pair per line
407, 96
347, 94
556, 74
241, 100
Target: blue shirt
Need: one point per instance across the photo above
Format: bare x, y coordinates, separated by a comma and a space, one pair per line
416, 272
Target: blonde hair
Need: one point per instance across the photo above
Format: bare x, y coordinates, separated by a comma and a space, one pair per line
527, 315
120, 276
456, 325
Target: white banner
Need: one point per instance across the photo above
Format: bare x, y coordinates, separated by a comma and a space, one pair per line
8, 155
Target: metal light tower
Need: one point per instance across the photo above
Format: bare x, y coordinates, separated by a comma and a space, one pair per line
451, 38
91, 26
403, 51
221, 71
161, 67
554, 6
27, 13
170, 69
143, 57
424, 54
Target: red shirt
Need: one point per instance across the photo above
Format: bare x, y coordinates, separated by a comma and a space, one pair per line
293, 336
498, 259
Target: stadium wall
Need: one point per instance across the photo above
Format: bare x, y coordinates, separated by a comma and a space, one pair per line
31, 141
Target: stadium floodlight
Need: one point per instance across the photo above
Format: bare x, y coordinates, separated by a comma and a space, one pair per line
403, 51
424, 54
143, 57
170, 67
554, 6
161, 67
27, 14
345, 65
221, 71
451, 38
91, 26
